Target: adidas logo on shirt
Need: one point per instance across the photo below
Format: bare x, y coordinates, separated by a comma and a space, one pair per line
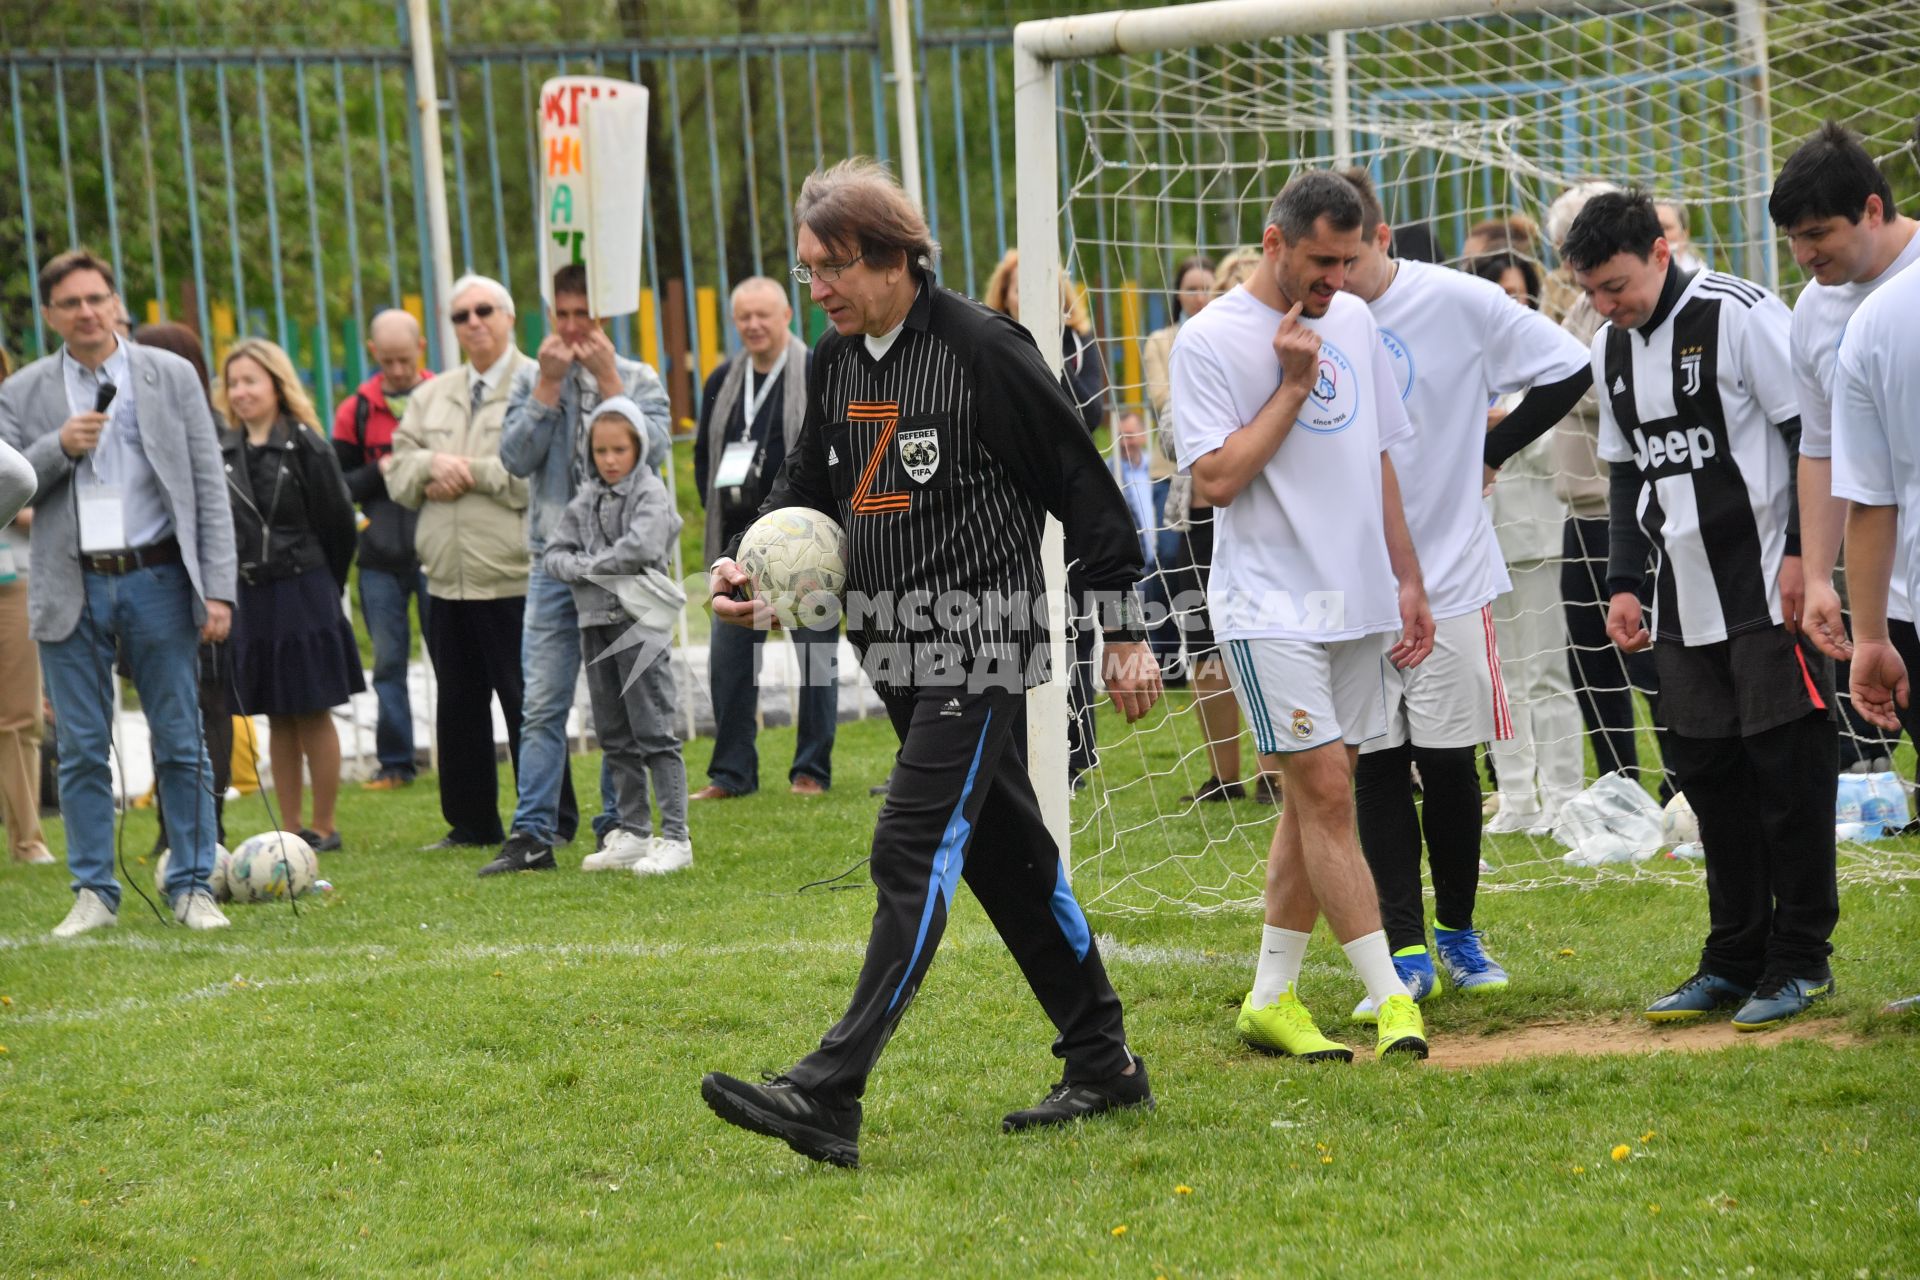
1619, 386
952, 708
833, 456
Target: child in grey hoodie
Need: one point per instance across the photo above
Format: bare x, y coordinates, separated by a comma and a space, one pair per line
621, 525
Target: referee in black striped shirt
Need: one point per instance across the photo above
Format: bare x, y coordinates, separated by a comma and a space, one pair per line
1700, 419
940, 440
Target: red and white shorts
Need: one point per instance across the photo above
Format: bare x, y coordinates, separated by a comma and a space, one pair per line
1453, 699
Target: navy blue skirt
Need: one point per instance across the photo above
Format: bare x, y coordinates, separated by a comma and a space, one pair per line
293, 649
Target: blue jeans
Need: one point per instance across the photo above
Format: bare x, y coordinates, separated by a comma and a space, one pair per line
149, 613
383, 603
733, 669
550, 667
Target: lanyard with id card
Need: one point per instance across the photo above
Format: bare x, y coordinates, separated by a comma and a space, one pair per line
103, 519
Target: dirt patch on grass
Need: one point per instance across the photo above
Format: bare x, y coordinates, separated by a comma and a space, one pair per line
1550, 1039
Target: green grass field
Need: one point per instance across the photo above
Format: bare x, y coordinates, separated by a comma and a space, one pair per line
423, 1073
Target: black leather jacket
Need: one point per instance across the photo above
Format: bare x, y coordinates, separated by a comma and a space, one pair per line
291, 512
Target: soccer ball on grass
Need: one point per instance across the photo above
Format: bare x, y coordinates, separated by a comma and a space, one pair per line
216, 881
270, 865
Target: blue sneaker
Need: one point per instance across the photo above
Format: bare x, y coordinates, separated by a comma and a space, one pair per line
1415, 967
1701, 994
1468, 967
1777, 999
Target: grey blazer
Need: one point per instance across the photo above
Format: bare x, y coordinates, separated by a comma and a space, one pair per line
176, 430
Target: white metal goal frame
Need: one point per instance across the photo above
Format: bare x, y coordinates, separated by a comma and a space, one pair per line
1042, 48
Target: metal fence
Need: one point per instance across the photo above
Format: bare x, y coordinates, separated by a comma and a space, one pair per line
280, 193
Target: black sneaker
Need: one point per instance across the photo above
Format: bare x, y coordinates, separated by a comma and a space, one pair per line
1213, 791
781, 1109
521, 852
1070, 1100
319, 843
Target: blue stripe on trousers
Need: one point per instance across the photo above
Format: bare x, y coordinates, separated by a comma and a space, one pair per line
947, 861
1072, 920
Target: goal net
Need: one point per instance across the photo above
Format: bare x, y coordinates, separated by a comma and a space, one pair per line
1466, 124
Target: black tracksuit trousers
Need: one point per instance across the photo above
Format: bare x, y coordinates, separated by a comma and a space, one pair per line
1765, 803
960, 803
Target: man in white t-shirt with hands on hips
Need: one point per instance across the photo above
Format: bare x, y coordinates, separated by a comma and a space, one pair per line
1313, 570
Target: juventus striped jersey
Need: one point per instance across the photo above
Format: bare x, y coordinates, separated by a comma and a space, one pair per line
941, 459
1698, 414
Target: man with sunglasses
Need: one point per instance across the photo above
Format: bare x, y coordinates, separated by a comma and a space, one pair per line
472, 542
545, 440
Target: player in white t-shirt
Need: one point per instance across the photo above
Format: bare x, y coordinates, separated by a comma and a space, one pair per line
1287, 406
1453, 342
1836, 209
1876, 467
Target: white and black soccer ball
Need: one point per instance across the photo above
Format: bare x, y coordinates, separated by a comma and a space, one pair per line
796, 558
272, 865
217, 881
1677, 823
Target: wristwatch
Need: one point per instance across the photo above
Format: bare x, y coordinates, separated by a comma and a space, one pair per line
1123, 621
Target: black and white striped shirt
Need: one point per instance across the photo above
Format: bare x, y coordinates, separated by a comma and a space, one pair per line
1699, 415
941, 459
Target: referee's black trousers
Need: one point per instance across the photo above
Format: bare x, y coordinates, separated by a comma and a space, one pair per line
960, 803
1765, 803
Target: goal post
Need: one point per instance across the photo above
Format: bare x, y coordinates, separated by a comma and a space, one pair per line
1146, 135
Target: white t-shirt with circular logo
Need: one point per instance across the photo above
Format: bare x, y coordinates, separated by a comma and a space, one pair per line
1301, 553
1457, 342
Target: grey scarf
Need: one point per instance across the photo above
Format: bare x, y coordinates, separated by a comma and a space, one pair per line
793, 412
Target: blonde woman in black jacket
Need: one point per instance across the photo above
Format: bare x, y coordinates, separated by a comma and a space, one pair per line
294, 655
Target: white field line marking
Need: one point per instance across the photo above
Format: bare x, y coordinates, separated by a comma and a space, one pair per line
394, 963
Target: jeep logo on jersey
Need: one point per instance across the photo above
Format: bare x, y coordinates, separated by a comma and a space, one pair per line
920, 453
1402, 361
1335, 398
1672, 453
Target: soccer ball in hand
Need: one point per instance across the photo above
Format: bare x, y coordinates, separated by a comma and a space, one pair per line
1677, 823
216, 881
796, 558
270, 865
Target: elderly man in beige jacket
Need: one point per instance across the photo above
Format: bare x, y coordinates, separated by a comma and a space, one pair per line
472, 542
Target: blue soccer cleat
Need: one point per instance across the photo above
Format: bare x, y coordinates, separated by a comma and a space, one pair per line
1468, 966
1777, 999
1415, 967
1697, 996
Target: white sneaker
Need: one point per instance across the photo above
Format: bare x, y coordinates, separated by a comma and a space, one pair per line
197, 911
667, 855
1512, 821
89, 912
621, 851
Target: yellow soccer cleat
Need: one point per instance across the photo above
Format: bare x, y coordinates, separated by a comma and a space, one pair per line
1402, 1029
1285, 1027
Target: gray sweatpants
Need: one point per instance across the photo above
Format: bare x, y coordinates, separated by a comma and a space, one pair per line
635, 716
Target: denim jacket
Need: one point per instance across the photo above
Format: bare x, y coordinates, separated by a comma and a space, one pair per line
549, 445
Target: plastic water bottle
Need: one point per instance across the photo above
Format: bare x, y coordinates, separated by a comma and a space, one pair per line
1849, 797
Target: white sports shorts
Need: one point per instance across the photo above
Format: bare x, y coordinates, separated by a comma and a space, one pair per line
1455, 698
1301, 694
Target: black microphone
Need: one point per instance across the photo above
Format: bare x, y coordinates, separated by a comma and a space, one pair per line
104, 397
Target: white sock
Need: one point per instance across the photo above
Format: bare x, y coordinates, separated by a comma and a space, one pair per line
1374, 963
1281, 951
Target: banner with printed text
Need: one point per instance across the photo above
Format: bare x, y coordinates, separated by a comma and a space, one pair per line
593, 144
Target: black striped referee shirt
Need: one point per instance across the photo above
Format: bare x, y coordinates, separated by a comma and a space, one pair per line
941, 460
1700, 419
